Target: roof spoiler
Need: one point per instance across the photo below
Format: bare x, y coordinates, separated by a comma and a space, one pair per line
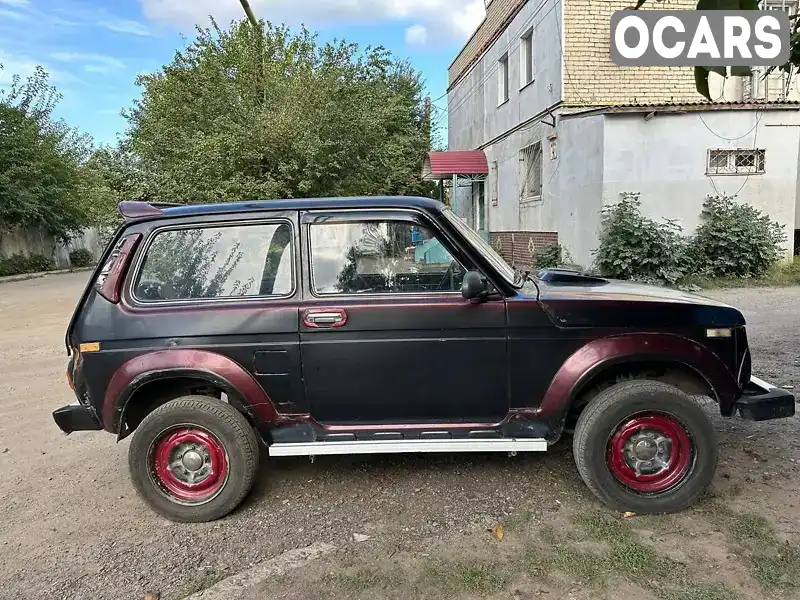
130, 209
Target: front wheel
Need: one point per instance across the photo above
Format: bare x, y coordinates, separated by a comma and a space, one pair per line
645, 447
193, 459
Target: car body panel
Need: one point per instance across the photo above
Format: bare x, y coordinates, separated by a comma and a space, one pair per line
512, 362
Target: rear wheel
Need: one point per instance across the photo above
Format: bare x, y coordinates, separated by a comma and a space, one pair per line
645, 447
194, 459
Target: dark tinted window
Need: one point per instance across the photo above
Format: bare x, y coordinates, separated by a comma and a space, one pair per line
218, 262
380, 257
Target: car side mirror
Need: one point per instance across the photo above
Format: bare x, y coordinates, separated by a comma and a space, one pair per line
473, 285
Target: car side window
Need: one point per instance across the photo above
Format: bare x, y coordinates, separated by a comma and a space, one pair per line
380, 257
224, 261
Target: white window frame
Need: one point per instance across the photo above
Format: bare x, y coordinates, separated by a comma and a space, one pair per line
731, 168
528, 154
788, 6
502, 80
526, 62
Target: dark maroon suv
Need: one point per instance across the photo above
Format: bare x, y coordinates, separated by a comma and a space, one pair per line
383, 325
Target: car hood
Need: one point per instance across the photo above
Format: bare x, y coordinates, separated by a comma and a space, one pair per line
574, 299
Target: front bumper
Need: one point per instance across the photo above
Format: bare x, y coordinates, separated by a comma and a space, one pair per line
762, 401
76, 417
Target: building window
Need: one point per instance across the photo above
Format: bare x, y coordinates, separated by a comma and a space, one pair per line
502, 80
526, 59
531, 161
735, 162
788, 6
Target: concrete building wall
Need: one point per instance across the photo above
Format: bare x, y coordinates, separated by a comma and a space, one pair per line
575, 193
664, 158
28, 241
590, 76
497, 14
474, 117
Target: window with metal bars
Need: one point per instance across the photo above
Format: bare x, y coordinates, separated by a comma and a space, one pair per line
531, 163
736, 162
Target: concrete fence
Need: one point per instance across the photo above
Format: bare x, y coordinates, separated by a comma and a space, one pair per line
31, 240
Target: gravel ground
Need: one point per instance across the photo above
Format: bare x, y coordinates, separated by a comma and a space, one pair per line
73, 527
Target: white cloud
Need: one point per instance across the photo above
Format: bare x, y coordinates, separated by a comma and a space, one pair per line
125, 26
417, 35
24, 66
12, 15
15, 2
453, 20
97, 63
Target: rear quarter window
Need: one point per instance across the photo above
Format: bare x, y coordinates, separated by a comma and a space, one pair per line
204, 263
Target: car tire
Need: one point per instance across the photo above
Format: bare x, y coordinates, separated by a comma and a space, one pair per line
194, 459
645, 447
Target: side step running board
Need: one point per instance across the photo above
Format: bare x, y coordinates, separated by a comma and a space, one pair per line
408, 446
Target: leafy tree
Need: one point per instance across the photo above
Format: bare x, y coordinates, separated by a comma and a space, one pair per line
249, 113
40, 161
701, 73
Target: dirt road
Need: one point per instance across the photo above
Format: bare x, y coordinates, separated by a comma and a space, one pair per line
72, 526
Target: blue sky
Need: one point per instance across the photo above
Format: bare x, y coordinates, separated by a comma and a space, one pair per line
93, 49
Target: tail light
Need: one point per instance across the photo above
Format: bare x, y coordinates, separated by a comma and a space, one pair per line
109, 279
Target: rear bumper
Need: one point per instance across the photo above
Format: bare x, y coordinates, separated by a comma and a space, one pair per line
762, 401
76, 417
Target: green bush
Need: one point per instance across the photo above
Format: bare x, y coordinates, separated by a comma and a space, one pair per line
635, 247
735, 240
81, 258
17, 264
552, 255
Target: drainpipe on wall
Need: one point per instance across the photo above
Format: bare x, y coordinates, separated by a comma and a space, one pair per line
455, 195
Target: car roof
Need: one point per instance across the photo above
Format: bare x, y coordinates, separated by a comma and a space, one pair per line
301, 204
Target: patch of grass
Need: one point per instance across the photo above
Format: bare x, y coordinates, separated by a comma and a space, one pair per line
476, 576
698, 591
603, 527
366, 578
784, 273
750, 528
580, 565
780, 570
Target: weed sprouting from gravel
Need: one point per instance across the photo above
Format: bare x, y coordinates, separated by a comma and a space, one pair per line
698, 591
750, 528
475, 576
367, 578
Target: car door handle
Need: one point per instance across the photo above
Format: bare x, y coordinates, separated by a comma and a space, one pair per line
333, 317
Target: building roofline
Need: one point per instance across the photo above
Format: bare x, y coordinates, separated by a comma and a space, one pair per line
464, 47
495, 35
678, 107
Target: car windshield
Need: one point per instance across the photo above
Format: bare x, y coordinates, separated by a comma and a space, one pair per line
482, 246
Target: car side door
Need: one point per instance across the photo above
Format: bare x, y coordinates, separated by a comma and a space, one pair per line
385, 334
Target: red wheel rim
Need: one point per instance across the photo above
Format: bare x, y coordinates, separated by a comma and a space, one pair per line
650, 453
190, 464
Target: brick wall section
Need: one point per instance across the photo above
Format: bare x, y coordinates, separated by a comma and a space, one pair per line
498, 17
590, 78
517, 246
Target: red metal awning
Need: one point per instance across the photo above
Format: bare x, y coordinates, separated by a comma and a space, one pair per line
443, 165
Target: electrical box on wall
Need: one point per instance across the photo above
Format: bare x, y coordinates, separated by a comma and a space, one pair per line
553, 138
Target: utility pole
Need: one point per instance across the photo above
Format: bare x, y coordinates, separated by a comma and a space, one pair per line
428, 119
248, 10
